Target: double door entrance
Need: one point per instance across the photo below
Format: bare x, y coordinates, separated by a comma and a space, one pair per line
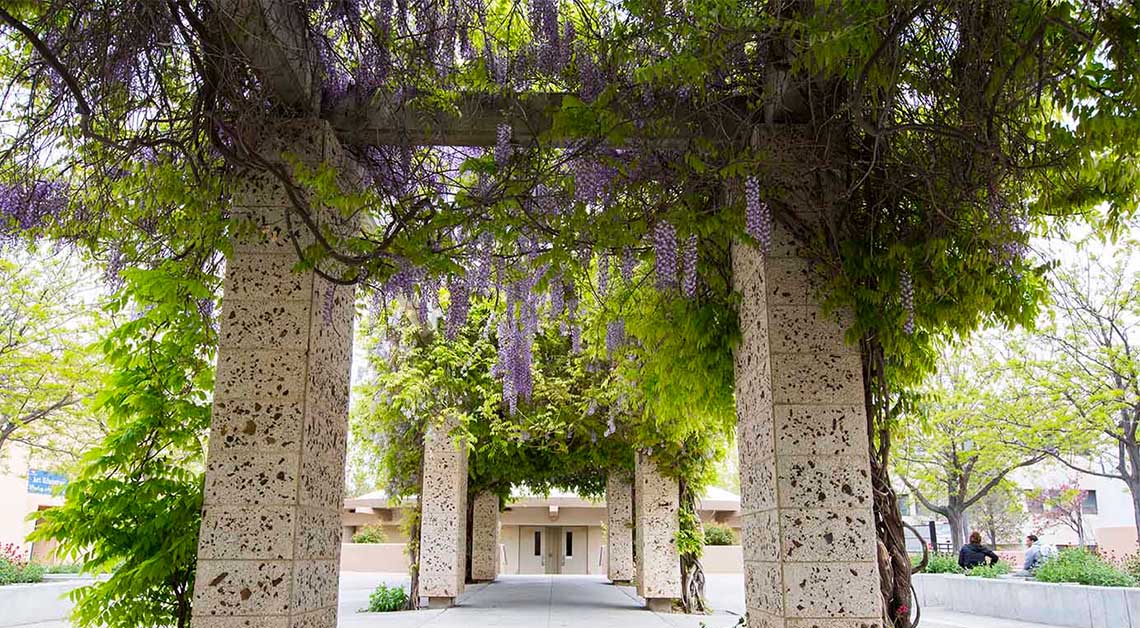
553, 549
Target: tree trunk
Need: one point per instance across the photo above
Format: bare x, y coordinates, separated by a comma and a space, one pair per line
692, 573
956, 531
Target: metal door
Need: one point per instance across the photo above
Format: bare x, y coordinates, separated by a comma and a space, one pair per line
553, 552
532, 550
575, 546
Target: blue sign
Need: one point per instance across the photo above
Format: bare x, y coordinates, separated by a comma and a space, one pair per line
42, 482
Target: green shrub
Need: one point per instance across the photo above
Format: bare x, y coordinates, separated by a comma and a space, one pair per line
369, 534
939, 563
1083, 567
12, 572
989, 571
1131, 565
719, 535
386, 599
65, 568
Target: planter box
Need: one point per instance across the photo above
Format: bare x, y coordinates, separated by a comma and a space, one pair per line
723, 559
1070, 605
40, 602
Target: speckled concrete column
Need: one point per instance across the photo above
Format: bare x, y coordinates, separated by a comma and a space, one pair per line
443, 519
485, 537
657, 508
619, 527
809, 540
270, 536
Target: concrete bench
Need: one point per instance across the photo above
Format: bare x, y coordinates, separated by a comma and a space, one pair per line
39, 602
1071, 605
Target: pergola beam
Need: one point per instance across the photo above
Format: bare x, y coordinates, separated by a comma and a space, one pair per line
473, 120
273, 37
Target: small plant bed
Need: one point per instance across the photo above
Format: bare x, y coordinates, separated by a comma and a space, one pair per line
989, 571
719, 535
386, 599
947, 563
1083, 567
15, 569
369, 534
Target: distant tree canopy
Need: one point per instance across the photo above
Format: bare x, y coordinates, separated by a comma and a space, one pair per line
49, 363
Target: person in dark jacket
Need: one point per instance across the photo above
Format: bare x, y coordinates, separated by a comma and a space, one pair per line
974, 553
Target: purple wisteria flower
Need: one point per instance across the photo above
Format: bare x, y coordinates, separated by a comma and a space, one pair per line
757, 216
627, 264
906, 296
502, 144
665, 247
615, 336
457, 309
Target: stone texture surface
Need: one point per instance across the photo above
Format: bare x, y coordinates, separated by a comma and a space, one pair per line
656, 508
809, 541
619, 527
270, 539
485, 537
443, 519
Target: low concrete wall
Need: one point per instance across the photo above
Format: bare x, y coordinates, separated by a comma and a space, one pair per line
1071, 605
385, 557
723, 559
33, 603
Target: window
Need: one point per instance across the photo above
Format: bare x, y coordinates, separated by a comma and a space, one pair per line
538, 543
904, 505
569, 544
1034, 506
1088, 506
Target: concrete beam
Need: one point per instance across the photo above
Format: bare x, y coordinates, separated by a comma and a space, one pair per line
474, 121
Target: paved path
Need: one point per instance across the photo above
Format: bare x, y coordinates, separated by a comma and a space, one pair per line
533, 602
580, 602
569, 602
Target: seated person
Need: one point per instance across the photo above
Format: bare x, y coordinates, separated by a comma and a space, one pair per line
1035, 556
974, 553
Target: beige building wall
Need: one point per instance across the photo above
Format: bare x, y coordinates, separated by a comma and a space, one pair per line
16, 503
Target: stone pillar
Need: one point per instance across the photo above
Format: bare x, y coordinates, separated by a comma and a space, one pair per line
485, 537
619, 527
809, 537
269, 548
657, 506
443, 516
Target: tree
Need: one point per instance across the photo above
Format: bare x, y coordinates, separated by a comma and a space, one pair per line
134, 508
48, 364
1062, 505
954, 455
1001, 514
1080, 375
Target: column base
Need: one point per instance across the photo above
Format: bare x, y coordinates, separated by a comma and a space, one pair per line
439, 602
621, 583
482, 580
659, 604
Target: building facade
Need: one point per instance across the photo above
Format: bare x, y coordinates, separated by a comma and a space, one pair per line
560, 533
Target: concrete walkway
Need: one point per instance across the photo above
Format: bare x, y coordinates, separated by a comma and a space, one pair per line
535, 602
569, 602
580, 602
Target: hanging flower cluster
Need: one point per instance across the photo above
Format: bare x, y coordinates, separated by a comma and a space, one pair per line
757, 216
665, 248
502, 145
906, 296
